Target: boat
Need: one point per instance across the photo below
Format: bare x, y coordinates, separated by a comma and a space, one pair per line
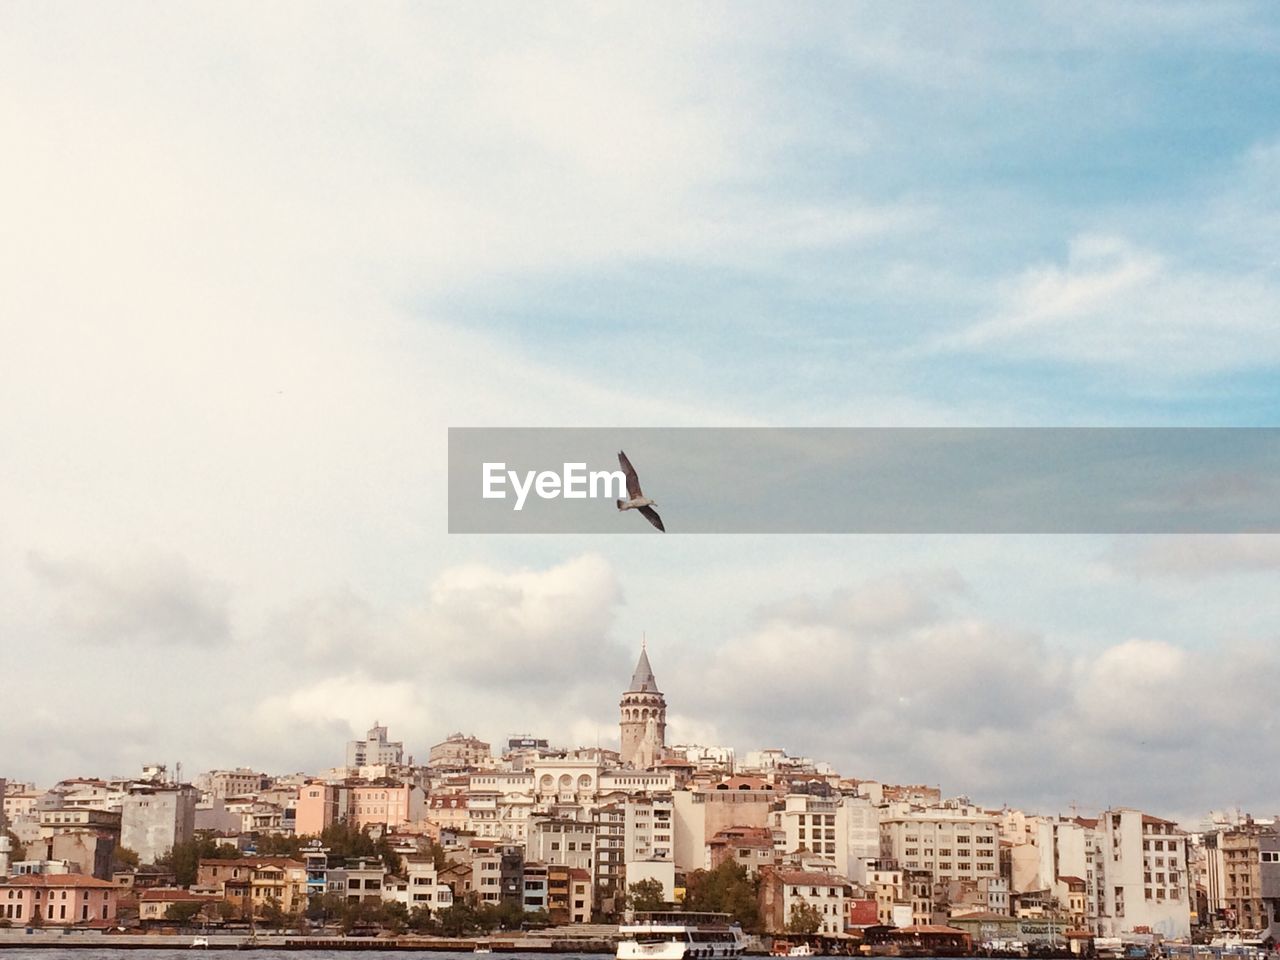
678, 934
800, 950
200, 942
482, 948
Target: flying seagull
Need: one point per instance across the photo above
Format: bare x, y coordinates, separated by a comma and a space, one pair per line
636, 500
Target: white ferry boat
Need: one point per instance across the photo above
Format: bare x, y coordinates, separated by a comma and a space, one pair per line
677, 935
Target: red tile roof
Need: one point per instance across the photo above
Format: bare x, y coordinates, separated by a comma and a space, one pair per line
60, 880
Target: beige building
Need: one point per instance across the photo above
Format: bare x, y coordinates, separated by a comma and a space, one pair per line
701, 814
459, 751
224, 784
252, 883
1233, 874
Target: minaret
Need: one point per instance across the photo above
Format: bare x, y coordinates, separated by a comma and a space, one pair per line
643, 718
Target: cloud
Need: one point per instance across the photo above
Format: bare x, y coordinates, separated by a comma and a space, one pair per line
1115, 304
999, 713
1196, 557
153, 599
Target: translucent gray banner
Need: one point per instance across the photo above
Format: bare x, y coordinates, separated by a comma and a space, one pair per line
895, 480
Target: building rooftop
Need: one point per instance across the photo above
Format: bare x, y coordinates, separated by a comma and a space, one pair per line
642, 679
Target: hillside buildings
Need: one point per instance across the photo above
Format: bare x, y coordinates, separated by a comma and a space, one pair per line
568, 833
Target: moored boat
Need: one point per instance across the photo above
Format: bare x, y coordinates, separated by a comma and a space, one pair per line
677, 935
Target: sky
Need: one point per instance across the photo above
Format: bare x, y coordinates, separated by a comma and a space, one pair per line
257, 260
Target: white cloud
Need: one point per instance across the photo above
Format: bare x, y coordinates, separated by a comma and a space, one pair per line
1119, 305
152, 599
1196, 557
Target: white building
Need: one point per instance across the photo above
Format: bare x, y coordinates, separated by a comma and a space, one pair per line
1141, 873
858, 823
375, 749
827, 893
571, 843
809, 823
953, 841
648, 829
153, 820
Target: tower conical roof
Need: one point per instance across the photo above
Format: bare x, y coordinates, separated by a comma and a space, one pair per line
642, 680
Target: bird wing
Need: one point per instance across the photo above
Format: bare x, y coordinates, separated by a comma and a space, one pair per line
633, 482
651, 515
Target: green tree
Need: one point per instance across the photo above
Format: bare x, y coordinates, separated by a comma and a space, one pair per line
438, 856
457, 919
510, 915
278, 845
726, 889
346, 841
122, 858
326, 908
272, 913
645, 895
395, 916
182, 913
17, 849
420, 920
805, 918
184, 858
358, 914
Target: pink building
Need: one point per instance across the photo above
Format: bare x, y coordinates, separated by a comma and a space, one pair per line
58, 899
390, 804
319, 805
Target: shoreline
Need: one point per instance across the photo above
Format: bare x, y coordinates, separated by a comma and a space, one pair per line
86, 940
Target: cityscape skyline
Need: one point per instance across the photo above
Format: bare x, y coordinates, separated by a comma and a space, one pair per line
260, 260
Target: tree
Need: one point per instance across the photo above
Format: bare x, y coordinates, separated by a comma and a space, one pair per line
346, 841
272, 913
395, 916
359, 913
182, 912
420, 920
326, 907
805, 918
438, 856
184, 858
457, 919
278, 845
645, 895
726, 889
17, 849
122, 858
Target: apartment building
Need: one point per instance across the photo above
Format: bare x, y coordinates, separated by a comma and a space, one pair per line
950, 842
1141, 866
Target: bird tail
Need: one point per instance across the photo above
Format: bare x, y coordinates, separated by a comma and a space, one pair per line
619, 503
